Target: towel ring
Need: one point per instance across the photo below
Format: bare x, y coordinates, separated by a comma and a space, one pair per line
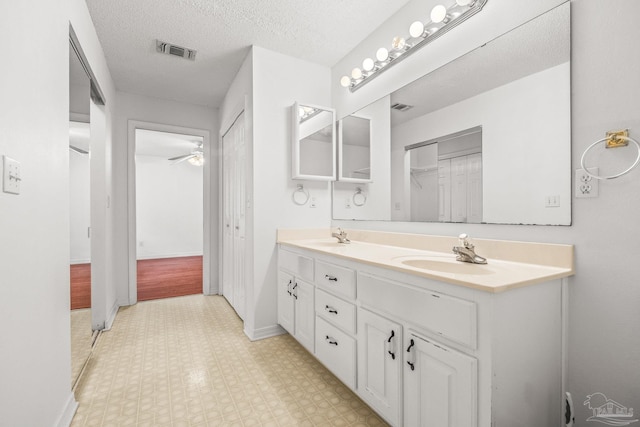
626, 171
300, 196
359, 198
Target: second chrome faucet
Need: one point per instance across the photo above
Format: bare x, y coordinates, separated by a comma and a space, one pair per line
466, 252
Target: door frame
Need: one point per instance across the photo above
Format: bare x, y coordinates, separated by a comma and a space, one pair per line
207, 229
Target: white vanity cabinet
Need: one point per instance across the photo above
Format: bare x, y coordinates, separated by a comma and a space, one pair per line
296, 297
380, 356
423, 352
440, 385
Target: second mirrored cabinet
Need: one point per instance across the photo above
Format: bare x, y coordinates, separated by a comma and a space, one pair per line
354, 149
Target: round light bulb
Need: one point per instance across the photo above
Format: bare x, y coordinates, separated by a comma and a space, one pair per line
368, 64
345, 81
464, 2
438, 13
356, 73
382, 54
398, 43
416, 29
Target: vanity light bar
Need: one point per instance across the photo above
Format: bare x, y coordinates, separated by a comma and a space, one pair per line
443, 19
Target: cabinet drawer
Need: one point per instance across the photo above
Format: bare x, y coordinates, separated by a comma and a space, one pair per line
337, 351
335, 279
301, 266
336, 311
450, 317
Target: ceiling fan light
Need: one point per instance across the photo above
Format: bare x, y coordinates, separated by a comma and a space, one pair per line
197, 160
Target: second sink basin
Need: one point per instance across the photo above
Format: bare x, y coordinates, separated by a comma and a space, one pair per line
445, 266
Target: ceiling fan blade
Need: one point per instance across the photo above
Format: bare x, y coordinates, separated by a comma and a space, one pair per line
78, 150
182, 159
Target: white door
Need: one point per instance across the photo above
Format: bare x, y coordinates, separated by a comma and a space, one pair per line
474, 188
234, 212
444, 190
459, 189
304, 313
440, 385
286, 301
380, 364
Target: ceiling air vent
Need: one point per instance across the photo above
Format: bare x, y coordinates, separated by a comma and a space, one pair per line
401, 107
171, 49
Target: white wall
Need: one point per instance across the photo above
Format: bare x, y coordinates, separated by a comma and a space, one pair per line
279, 81
604, 348
35, 389
168, 208
154, 110
522, 125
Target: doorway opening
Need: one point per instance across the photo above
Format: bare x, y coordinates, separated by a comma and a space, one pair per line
169, 211
169, 214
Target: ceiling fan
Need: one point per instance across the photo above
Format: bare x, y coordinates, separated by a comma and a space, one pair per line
196, 157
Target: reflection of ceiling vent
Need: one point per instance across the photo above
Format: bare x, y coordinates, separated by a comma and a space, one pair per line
401, 107
171, 49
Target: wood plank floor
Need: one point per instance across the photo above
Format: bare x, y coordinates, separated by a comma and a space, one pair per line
169, 277
157, 278
80, 286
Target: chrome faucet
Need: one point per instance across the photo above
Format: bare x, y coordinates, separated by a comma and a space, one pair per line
341, 235
466, 251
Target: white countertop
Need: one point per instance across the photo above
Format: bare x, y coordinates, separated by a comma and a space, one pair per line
498, 275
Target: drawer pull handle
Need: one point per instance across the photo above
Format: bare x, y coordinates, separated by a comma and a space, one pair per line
295, 293
411, 362
331, 278
392, 349
331, 341
330, 309
289, 287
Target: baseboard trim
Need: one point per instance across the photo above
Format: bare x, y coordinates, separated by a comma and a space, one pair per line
111, 316
171, 255
69, 410
262, 333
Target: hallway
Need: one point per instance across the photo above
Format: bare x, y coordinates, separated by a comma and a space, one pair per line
186, 362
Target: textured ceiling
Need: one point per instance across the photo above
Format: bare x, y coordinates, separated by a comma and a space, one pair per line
320, 31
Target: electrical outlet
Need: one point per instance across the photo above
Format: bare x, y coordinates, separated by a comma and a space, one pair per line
586, 186
313, 203
347, 203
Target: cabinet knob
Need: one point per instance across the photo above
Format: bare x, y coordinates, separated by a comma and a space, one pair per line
391, 348
331, 341
330, 309
411, 362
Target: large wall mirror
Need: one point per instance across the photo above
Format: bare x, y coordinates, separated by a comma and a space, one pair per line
485, 138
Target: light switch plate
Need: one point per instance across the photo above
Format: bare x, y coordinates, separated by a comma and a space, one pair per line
11, 175
585, 185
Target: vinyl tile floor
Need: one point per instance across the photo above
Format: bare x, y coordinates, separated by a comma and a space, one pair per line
186, 362
81, 340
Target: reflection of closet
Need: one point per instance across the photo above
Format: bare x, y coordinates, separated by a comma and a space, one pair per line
234, 204
460, 189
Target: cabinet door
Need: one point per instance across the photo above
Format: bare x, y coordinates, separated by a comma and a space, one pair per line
440, 385
304, 313
380, 364
286, 301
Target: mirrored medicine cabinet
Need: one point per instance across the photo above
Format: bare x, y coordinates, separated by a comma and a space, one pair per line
314, 143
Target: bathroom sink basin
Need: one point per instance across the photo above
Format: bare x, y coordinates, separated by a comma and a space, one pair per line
446, 266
